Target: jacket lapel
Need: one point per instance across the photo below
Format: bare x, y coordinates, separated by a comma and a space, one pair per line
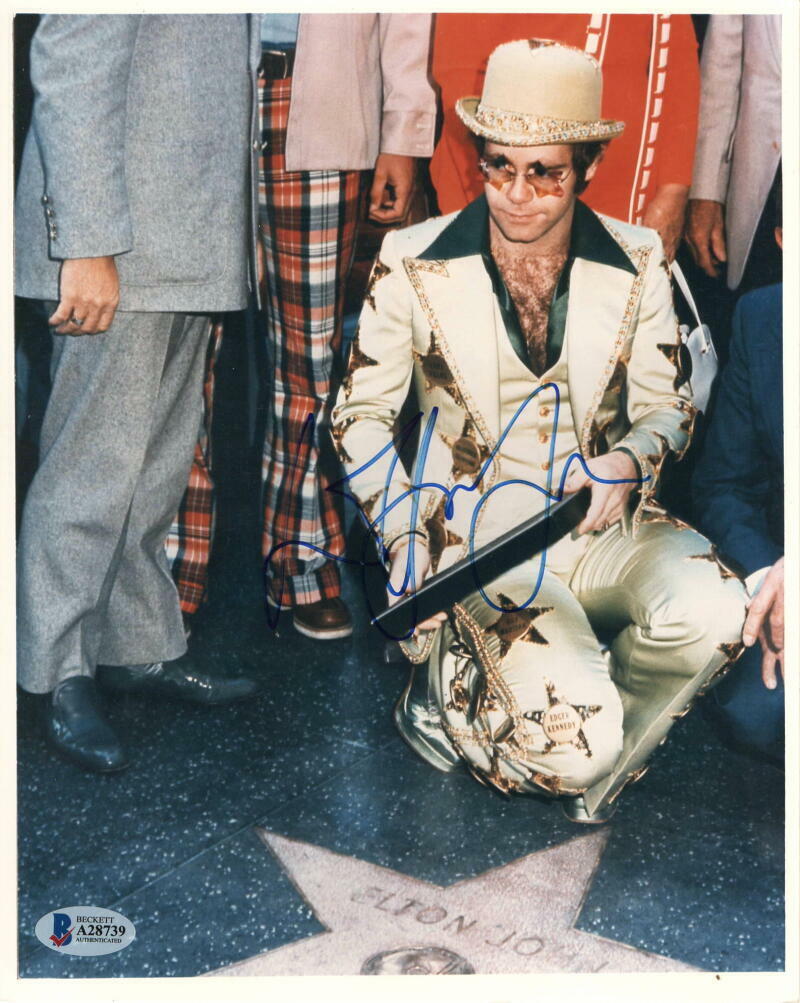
597, 327
461, 311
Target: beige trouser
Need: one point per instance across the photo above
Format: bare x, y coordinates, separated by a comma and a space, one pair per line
532, 702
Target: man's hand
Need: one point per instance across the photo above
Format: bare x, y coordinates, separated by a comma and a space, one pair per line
705, 234
89, 289
391, 189
608, 500
666, 213
400, 559
765, 622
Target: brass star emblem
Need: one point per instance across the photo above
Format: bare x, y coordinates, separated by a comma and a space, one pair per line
517, 625
358, 360
562, 722
437, 372
713, 556
469, 455
379, 271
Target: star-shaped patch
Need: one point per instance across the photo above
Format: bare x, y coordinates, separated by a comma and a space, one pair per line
598, 443
379, 271
437, 372
439, 536
338, 432
656, 460
713, 556
469, 455
652, 511
678, 355
517, 624
562, 722
358, 360
618, 377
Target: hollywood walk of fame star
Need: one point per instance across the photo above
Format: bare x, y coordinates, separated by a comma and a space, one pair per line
517, 624
562, 722
379, 271
516, 918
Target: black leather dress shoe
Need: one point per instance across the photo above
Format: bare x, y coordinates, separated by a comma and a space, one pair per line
178, 678
76, 727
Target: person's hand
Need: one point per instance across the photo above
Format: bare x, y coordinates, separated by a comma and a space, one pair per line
765, 623
705, 234
666, 213
400, 564
391, 189
89, 291
608, 500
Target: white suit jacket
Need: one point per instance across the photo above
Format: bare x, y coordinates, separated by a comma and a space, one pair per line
739, 129
431, 313
360, 87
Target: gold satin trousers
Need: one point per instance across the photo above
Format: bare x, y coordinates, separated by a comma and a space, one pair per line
574, 692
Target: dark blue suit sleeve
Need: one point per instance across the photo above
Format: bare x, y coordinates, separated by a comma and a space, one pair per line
731, 483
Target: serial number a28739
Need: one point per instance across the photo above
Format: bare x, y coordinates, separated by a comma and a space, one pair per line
99, 930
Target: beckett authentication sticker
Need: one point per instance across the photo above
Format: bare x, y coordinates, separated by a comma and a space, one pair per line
85, 930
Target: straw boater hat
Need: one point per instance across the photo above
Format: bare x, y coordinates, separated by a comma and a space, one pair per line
538, 92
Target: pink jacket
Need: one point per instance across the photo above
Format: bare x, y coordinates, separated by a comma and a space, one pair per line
360, 87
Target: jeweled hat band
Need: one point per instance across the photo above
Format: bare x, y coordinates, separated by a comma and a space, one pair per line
538, 92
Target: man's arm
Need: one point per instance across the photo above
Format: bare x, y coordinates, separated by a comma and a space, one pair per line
721, 77
80, 67
408, 117
731, 483
370, 398
660, 413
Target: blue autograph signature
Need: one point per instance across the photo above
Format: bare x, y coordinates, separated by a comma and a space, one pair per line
419, 484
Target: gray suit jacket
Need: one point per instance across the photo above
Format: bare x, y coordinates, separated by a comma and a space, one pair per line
141, 146
739, 129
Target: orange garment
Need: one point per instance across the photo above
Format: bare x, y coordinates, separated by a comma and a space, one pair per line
659, 108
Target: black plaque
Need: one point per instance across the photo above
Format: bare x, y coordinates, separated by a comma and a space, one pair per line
488, 562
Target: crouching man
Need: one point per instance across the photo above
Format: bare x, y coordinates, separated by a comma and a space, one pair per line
544, 348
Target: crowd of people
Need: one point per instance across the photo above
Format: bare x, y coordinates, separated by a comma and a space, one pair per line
532, 315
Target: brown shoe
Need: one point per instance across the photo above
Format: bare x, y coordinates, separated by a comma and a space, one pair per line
325, 620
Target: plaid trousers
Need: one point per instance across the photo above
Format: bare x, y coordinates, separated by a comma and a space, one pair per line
188, 543
307, 222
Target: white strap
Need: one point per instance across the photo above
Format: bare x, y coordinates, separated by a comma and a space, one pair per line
683, 285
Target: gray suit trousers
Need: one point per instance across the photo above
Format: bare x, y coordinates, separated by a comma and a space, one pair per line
117, 443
